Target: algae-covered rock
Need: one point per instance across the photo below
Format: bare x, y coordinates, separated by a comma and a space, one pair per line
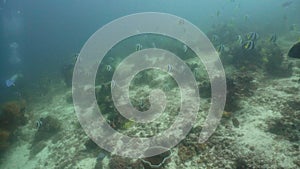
47, 127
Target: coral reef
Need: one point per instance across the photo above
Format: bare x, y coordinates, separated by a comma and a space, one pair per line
186, 152
240, 163
46, 128
12, 115
275, 64
157, 161
288, 125
224, 33
204, 89
117, 162
246, 60
238, 85
266, 55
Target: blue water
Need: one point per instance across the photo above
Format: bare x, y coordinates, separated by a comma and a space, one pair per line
48, 31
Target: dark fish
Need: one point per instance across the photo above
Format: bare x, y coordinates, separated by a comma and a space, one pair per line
294, 52
240, 39
273, 38
252, 36
248, 45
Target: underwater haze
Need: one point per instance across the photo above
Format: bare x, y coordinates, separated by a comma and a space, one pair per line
257, 42
48, 31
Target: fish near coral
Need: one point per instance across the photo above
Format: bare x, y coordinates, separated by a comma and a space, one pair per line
248, 45
252, 36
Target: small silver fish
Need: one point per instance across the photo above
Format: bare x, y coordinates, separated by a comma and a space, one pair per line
113, 84
39, 123
252, 36
185, 48
170, 68
138, 47
108, 68
240, 39
248, 45
153, 45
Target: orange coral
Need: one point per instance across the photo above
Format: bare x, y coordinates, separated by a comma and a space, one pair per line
12, 114
14, 107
